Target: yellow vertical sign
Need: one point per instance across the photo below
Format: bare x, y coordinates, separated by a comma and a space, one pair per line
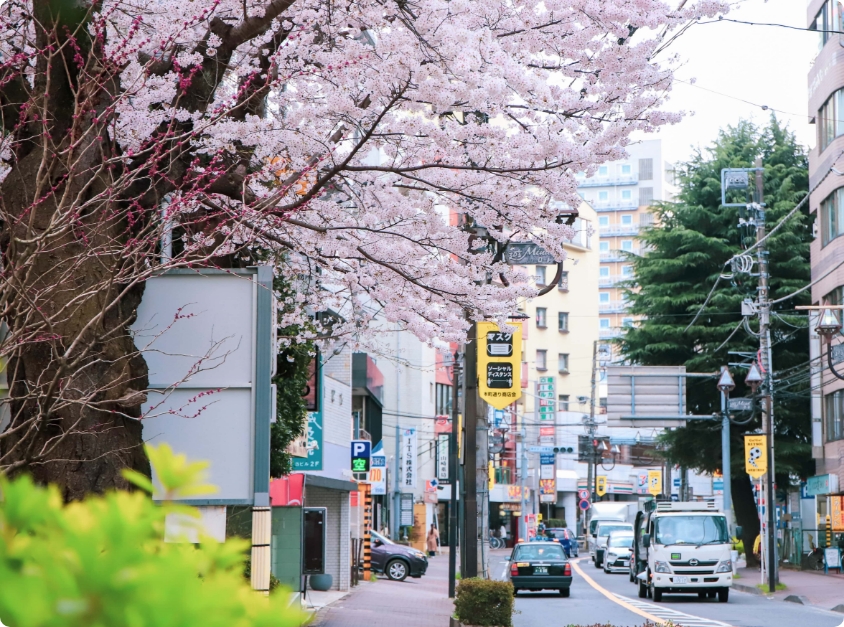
499, 364
756, 455
655, 482
491, 475
601, 485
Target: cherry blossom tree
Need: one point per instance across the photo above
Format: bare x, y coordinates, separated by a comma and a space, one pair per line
359, 146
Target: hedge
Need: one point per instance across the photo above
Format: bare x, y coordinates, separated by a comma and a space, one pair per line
484, 603
554, 523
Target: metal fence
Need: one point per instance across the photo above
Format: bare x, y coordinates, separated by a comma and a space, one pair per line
802, 548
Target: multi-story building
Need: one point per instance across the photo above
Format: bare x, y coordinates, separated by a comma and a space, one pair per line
621, 193
826, 109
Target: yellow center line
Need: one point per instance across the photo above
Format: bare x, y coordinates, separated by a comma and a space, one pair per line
615, 599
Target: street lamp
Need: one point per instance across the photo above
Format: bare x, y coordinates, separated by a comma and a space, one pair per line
753, 378
828, 327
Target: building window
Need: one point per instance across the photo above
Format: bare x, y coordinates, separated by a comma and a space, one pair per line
627, 220
831, 119
540, 275
627, 270
627, 322
605, 323
834, 416
646, 169
603, 221
563, 285
832, 216
605, 272
646, 219
627, 245
563, 363
829, 18
542, 359
443, 400
603, 171
604, 297
604, 247
541, 317
625, 168
626, 194
562, 402
563, 321
646, 196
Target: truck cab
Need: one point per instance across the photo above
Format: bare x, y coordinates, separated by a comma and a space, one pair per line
682, 548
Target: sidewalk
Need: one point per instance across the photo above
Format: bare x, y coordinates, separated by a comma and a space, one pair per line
410, 603
813, 588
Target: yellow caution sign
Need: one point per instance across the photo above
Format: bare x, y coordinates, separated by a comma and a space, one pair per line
491, 475
499, 364
601, 485
756, 455
655, 482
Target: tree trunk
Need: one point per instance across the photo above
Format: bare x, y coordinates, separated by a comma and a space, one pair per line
746, 515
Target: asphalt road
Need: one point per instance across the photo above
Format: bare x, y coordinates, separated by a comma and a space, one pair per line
598, 598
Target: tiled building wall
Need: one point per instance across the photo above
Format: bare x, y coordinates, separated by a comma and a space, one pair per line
338, 546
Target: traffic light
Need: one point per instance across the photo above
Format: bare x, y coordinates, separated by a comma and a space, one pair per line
563, 449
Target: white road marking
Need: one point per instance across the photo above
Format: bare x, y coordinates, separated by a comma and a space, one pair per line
676, 617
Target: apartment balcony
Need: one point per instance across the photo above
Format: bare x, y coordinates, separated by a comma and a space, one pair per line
614, 205
618, 255
604, 181
614, 306
611, 230
612, 280
608, 334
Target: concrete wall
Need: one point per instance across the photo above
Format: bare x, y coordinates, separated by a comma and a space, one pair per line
338, 546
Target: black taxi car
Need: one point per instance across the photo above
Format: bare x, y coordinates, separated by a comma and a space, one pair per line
539, 566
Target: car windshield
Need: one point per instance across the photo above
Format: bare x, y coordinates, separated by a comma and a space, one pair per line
691, 530
378, 536
559, 533
605, 530
540, 552
624, 541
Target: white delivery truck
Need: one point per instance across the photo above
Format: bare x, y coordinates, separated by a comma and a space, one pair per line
601, 514
682, 548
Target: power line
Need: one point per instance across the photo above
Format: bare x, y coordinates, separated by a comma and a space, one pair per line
787, 26
752, 104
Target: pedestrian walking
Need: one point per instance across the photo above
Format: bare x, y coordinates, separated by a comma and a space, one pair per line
433, 540
502, 533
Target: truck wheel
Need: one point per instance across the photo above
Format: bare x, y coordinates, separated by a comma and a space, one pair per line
643, 590
723, 595
657, 595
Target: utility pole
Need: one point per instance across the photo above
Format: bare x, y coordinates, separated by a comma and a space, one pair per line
765, 351
591, 472
452, 476
472, 518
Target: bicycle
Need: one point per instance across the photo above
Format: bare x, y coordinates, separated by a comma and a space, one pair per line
496, 543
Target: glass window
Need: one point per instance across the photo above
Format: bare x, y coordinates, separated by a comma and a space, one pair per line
563, 285
625, 168
829, 18
605, 323
830, 120
627, 245
563, 362
604, 297
834, 416
622, 541
832, 216
626, 194
540, 551
540, 275
604, 247
603, 221
627, 322
563, 402
605, 271
443, 401
603, 195
627, 220
563, 321
541, 317
602, 171
627, 270
697, 530
542, 359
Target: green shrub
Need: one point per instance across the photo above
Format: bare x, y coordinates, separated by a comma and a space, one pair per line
554, 523
102, 562
485, 603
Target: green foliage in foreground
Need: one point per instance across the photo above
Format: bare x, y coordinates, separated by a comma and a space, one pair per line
102, 562
484, 602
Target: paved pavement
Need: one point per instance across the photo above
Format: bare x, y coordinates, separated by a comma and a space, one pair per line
815, 588
410, 603
599, 598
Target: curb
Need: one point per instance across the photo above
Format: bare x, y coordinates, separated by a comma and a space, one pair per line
749, 589
797, 598
839, 608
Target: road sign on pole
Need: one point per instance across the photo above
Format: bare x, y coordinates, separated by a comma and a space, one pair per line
361, 455
583, 494
756, 455
584, 505
499, 364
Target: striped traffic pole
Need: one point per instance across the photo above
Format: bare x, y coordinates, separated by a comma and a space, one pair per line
367, 529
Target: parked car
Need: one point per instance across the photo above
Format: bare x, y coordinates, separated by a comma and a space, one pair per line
564, 532
539, 566
397, 561
619, 551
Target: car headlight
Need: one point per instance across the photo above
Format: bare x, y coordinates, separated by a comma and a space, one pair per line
418, 553
725, 567
611, 557
661, 567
